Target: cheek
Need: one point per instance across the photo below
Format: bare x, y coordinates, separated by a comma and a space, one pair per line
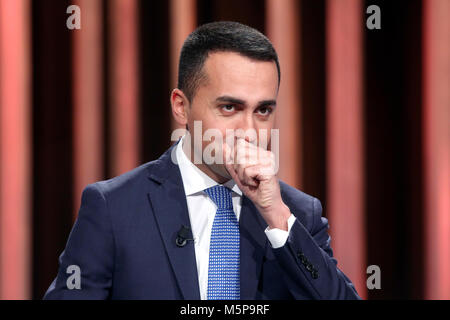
200, 112
206, 129
195, 116
265, 125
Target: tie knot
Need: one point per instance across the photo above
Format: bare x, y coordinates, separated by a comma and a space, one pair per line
221, 196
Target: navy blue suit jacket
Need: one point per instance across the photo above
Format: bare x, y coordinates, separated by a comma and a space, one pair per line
123, 241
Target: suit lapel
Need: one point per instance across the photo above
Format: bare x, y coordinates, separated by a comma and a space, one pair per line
168, 200
169, 205
253, 247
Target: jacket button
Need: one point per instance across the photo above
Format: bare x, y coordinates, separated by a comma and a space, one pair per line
309, 267
302, 257
314, 274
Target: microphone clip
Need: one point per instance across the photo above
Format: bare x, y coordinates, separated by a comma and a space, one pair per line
183, 236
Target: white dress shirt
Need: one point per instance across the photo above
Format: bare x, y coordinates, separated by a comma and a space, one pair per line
202, 211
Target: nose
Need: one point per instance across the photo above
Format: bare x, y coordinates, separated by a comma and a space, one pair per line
246, 128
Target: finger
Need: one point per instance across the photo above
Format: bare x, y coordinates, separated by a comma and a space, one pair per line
231, 171
267, 158
244, 178
234, 176
245, 152
260, 172
228, 161
247, 157
227, 154
249, 135
251, 156
237, 171
250, 175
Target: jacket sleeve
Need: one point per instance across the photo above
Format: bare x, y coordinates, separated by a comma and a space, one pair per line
89, 250
308, 263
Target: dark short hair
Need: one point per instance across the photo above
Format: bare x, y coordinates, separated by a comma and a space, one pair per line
219, 37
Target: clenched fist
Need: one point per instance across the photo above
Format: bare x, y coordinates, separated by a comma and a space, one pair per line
253, 170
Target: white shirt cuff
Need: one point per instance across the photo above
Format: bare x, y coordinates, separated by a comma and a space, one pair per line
278, 237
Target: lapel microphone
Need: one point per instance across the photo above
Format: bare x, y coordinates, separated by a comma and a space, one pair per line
183, 236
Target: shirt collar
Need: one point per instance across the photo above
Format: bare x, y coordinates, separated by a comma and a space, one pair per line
195, 180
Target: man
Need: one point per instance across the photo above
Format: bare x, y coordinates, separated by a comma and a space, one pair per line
179, 228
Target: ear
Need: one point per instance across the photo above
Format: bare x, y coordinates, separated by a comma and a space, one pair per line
180, 105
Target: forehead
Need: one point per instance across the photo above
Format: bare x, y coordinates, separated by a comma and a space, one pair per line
232, 71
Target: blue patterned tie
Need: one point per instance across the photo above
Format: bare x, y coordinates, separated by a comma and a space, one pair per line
223, 272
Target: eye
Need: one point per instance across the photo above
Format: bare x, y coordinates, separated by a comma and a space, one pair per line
228, 108
264, 111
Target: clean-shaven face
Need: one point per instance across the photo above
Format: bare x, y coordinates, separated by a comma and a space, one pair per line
239, 93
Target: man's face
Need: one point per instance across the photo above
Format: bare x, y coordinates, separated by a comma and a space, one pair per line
239, 93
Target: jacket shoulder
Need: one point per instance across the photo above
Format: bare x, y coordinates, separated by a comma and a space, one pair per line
124, 184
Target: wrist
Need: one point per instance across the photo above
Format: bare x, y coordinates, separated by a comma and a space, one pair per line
279, 217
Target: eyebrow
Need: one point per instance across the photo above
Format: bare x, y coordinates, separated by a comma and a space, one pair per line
234, 100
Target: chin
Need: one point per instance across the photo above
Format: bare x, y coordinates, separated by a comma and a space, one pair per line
220, 170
